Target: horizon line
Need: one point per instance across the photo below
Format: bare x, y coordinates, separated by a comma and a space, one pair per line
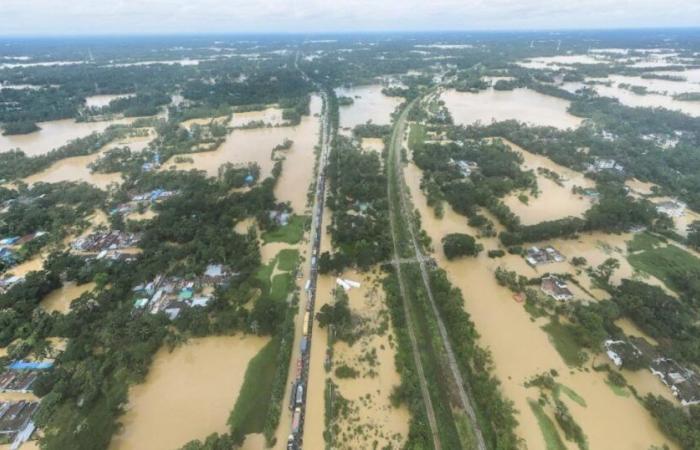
349, 32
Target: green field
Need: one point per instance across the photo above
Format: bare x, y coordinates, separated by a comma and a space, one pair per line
290, 233
551, 436
565, 343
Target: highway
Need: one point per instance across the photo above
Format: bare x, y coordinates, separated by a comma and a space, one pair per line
302, 353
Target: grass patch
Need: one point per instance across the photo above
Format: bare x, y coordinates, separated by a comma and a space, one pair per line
287, 259
666, 263
621, 391
281, 285
250, 411
643, 241
290, 233
573, 395
549, 431
562, 337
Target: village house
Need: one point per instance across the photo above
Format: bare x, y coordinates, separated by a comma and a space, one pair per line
619, 350
683, 382
556, 288
536, 256
172, 294
16, 425
105, 240
20, 375
7, 283
671, 208
600, 165
465, 167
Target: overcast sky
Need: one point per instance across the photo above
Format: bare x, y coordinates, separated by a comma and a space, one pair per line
231, 16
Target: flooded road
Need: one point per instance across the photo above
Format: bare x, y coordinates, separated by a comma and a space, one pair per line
521, 104
188, 394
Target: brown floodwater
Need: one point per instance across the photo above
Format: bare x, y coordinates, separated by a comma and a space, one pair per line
243, 146
98, 101
522, 104
553, 201
556, 62
521, 349
61, 298
54, 134
76, 168
188, 393
373, 144
271, 116
369, 104
382, 423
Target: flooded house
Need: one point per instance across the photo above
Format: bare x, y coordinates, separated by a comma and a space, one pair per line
620, 350
20, 375
556, 288
7, 283
16, 425
683, 382
600, 165
671, 208
466, 168
105, 240
536, 256
173, 294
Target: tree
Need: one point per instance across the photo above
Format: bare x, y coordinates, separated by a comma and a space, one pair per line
457, 244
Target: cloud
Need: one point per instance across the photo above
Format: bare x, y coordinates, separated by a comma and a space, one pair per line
168, 16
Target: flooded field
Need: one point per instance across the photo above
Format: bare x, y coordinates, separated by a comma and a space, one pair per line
369, 104
188, 393
609, 421
255, 145
370, 391
53, 135
61, 299
523, 104
271, 116
557, 62
373, 145
555, 200
76, 168
98, 101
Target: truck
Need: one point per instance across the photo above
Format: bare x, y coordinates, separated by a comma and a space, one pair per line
300, 394
304, 344
305, 330
296, 420
291, 443
307, 285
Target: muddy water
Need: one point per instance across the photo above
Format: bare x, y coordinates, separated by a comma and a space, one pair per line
188, 394
650, 100
61, 299
255, 145
98, 101
521, 104
553, 201
521, 349
53, 135
373, 145
555, 62
32, 265
382, 423
76, 168
639, 187
272, 116
369, 104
